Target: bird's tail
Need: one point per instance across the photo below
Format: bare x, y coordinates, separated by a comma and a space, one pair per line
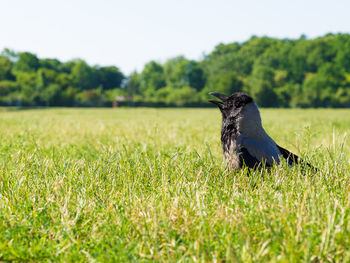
293, 158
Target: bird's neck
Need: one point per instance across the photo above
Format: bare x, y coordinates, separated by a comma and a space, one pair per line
249, 122
251, 128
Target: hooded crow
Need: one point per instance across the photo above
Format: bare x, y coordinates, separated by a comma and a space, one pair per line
244, 140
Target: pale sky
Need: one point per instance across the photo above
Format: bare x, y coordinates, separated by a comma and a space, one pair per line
130, 33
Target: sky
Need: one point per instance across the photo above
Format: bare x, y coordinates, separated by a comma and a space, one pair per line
130, 33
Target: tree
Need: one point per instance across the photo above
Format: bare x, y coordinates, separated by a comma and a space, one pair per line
49, 63
7, 87
132, 84
6, 66
27, 62
276, 72
83, 76
109, 77
226, 83
180, 72
182, 96
261, 86
52, 95
90, 97
29, 93
151, 79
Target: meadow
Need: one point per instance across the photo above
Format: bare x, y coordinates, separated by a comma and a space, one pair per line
117, 185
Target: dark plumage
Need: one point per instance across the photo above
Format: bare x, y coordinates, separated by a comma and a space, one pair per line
244, 140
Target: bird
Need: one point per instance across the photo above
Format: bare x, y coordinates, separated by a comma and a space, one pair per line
244, 140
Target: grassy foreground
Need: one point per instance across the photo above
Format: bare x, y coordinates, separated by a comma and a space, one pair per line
149, 185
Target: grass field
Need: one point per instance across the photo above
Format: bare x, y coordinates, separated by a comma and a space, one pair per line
149, 185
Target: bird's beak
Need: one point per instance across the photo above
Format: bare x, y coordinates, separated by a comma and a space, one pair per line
222, 97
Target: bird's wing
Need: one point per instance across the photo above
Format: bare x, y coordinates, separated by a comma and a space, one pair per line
249, 160
292, 158
263, 151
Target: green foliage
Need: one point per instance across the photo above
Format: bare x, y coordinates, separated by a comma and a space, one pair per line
110, 77
83, 76
91, 97
132, 85
180, 72
110, 95
183, 95
26, 62
261, 86
26, 80
30, 93
6, 66
226, 83
7, 86
149, 185
276, 72
9, 93
151, 80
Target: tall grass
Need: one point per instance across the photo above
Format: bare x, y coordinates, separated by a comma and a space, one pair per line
149, 185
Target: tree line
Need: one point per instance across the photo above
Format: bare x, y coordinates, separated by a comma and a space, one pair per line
276, 72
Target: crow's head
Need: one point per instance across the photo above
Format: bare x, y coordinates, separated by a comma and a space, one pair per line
239, 112
231, 106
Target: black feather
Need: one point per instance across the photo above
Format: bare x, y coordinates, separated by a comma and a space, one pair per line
250, 161
293, 158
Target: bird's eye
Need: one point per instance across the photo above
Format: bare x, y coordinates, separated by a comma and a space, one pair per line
229, 104
238, 104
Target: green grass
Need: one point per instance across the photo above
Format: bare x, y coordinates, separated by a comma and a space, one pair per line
149, 185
